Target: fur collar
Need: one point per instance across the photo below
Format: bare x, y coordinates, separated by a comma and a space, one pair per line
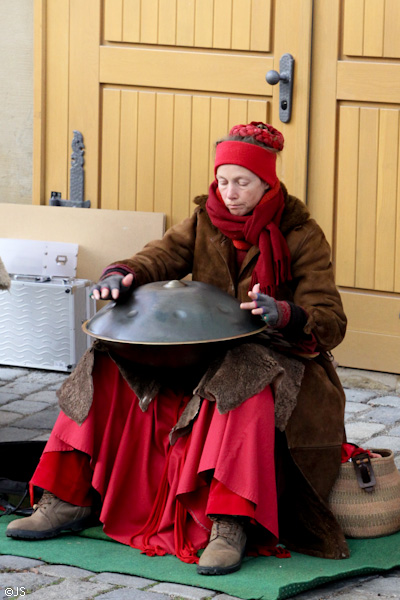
295, 214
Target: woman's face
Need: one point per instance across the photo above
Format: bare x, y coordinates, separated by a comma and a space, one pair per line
241, 189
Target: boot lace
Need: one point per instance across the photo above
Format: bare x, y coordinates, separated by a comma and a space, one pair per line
46, 499
232, 529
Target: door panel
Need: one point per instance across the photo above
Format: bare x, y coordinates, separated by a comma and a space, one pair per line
368, 82
66, 94
368, 202
226, 24
371, 28
172, 135
372, 341
363, 168
191, 70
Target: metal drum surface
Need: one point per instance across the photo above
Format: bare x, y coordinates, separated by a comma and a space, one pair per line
172, 323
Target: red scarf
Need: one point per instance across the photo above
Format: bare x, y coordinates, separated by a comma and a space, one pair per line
259, 228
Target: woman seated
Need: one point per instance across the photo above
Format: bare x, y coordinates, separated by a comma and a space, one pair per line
234, 460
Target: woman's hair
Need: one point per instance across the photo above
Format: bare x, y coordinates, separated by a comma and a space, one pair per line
248, 139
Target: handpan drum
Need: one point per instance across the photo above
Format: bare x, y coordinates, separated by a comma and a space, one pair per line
173, 323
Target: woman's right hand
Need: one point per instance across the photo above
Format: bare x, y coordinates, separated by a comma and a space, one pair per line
113, 287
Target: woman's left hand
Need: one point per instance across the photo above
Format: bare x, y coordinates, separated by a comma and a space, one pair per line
262, 305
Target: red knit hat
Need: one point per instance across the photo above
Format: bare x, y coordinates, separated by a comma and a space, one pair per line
257, 159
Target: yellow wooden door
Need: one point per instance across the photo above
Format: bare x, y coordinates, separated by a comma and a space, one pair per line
151, 84
354, 169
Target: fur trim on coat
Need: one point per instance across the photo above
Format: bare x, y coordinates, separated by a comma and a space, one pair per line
255, 366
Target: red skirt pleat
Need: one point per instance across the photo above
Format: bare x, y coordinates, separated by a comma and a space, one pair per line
156, 497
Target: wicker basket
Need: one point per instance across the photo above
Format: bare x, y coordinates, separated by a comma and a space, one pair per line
373, 511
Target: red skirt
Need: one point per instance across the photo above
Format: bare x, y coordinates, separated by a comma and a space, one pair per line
156, 497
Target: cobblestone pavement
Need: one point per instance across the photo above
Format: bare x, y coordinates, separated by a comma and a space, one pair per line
28, 409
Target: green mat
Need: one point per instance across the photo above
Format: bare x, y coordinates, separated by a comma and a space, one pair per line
267, 578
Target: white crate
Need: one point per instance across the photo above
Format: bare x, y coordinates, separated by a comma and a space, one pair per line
41, 322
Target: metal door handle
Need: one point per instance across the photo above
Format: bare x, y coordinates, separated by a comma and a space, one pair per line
285, 79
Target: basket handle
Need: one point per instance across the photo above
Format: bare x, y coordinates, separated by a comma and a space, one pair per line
364, 472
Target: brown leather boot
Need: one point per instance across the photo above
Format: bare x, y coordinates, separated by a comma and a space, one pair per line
51, 517
225, 550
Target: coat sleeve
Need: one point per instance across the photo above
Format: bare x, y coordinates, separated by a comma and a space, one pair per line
168, 258
314, 285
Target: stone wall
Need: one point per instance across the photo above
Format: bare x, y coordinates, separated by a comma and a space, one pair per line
16, 100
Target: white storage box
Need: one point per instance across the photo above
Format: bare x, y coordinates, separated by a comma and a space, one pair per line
41, 320
41, 315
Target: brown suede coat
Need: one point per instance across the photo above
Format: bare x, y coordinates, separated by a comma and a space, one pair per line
315, 431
